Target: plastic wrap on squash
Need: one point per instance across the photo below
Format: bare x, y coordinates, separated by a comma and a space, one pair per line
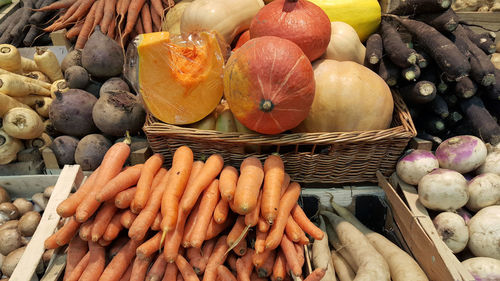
179, 78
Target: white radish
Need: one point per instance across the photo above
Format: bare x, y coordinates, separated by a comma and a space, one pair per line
418, 163
342, 268
484, 233
461, 153
483, 268
10, 58
321, 256
9, 147
47, 63
443, 190
452, 230
484, 191
23, 123
16, 87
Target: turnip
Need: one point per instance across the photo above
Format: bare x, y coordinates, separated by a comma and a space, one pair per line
461, 153
484, 191
484, 233
443, 190
453, 230
483, 268
491, 164
412, 167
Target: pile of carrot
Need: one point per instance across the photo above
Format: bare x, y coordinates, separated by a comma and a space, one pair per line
195, 221
119, 19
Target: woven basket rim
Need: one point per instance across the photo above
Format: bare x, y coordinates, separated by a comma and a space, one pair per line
406, 130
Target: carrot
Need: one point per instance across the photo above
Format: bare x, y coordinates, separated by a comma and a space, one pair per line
248, 185
208, 173
293, 230
75, 30
77, 249
78, 270
157, 6
140, 268
194, 256
236, 232
206, 252
179, 277
259, 259
121, 11
109, 12
224, 274
241, 248
157, 269
119, 264
228, 180
118, 244
191, 222
146, 19
61, 4
266, 268
217, 258
114, 227
97, 262
149, 247
182, 165
303, 221
185, 269
174, 239
274, 175
287, 202
112, 27
150, 169
300, 254
103, 242
121, 182
68, 207
155, 17
316, 275
66, 233
111, 165
251, 219
148, 214
50, 242
244, 266
221, 210
170, 272
205, 214
262, 225
85, 232
260, 242
255, 277
231, 261
99, 13
291, 256
84, 34
124, 198
127, 275
102, 219
279, 267
138, 26
132, 15
215, 229
127, 218
156, 226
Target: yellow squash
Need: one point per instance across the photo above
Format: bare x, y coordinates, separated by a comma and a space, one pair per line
362, 15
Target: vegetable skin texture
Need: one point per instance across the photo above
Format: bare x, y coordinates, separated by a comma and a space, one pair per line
398, 52
420, 92
102, 57
412, 167
412, 7
374, 49
10, 58
461, 153
483, 268
90, 151
321, 256
47, 63
14, 86
483, 123
248, 186
484, 191
484, 232
443, 189
23, 123
444, 22
465, 88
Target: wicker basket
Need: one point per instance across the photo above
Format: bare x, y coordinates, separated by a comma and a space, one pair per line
350, 157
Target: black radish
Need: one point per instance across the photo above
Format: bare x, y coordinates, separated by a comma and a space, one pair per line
412, 7
419, 93
481, 120
444, 22
396, 49
465, 88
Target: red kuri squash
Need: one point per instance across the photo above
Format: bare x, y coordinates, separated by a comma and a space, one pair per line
269, 84
299, 21
244, 37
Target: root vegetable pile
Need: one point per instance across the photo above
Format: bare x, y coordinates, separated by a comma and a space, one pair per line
199, 220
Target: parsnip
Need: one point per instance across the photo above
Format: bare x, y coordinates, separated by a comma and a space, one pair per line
321, 256
344, 271
7, 103
40, 142
28, 65
15, 87
371, 264
23, 123
58, 86
47, 63
9, 147
30, 100
27, 79
42, 107
38, 75
10, 59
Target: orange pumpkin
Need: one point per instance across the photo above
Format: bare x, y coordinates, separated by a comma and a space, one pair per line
269, 84
244, 37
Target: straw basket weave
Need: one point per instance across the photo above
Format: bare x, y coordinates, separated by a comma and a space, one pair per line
340, 157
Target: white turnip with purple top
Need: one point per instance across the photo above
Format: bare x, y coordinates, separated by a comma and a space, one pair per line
484, 191
461, 153
484, 233
483, 268
443, 190
452, 228
418, 163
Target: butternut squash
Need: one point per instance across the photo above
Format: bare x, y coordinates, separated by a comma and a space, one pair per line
344, 44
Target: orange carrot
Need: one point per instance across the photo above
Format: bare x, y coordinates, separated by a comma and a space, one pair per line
303, 221
221, 211
150, 169
50, 242
99, 13
148, 214
75, 30
200, 261
121, 11
179, 277
97, 262
147, 22
194, 256
252, 218
259, 259
127, 275
120, 263
231, 261
157, 6
241, 248
300, 254
217, 258
114, 227
61, 4
174, 238
208, 173
182, 164
290, 253
316, 275
170, 272
189, 226
286, 183
83, 9
248, 186
85, 232
140, 268
185, 269
102, 219
287, 201
156, 226
149, 247
228, 180
236, 231
84, 34
132, 15
260, 242
262, 225
78, 270
66, 233
77, 249
244, 266
127, 218
121, 182
62, 21
293, 230
111, 166
109, 12
155, 17
112, 28
103, 242
205, 214
274, 175
124, 198
118, 244
266, 268
225, 274
279, 267
157, 269
68, 207
138, 26
255, 277
215, 229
